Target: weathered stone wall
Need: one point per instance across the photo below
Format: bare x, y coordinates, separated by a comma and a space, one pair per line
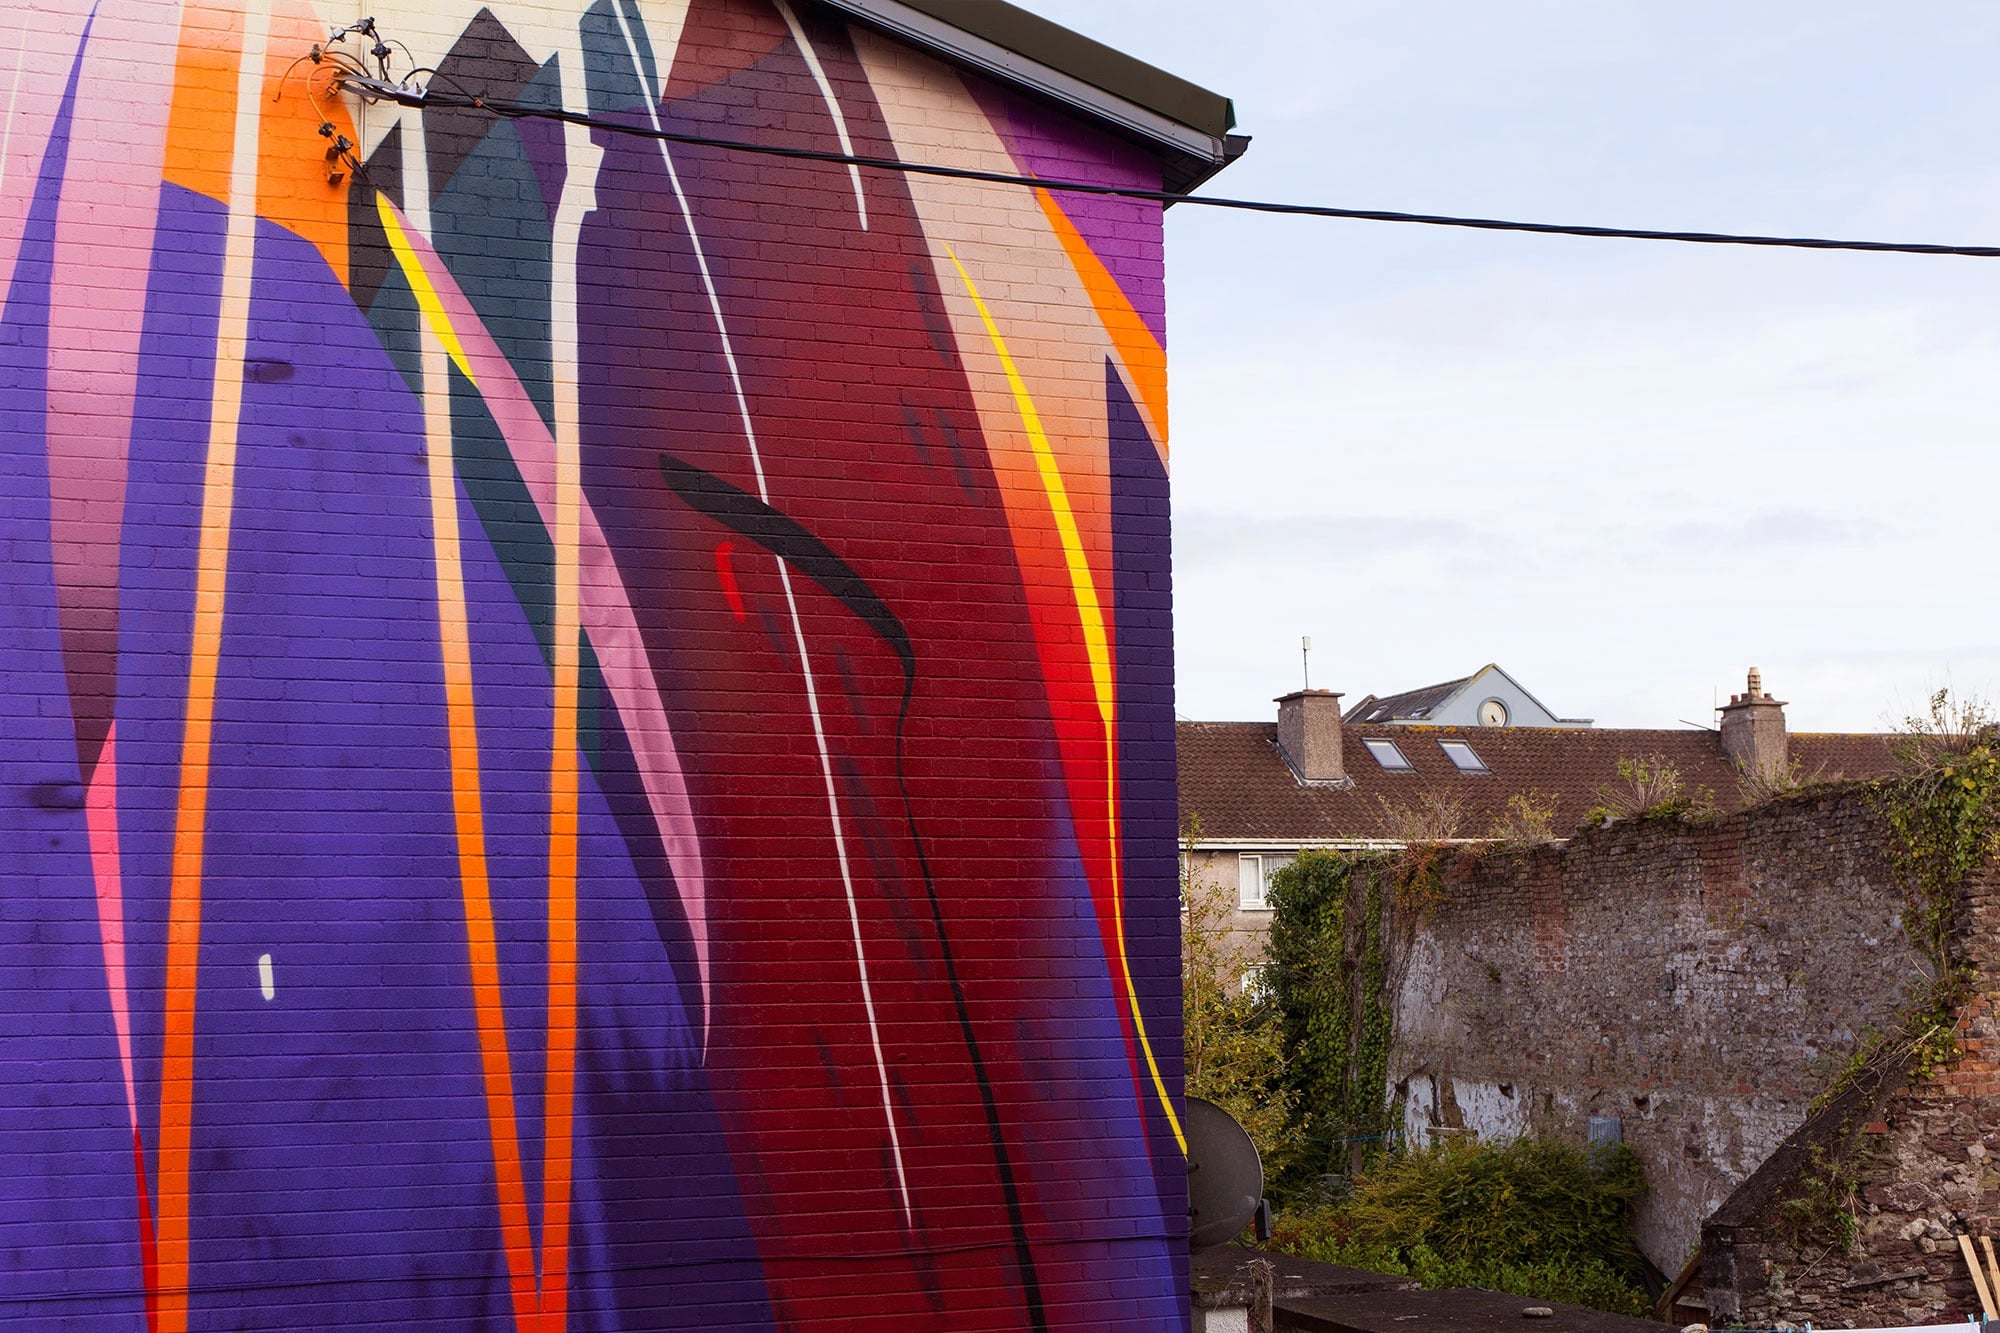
1927, 1161
1698, 983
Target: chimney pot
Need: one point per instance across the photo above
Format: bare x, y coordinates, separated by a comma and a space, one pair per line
1309, 735
1754, 736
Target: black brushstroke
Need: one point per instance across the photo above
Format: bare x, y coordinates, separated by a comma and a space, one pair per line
783, 536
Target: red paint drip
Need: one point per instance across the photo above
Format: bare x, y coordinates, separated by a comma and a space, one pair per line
149, 1256
727, 575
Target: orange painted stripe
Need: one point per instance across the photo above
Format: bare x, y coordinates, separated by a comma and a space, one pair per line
201, 119
1145, 359
475, 888
559, 1090
176, 1126
292, 185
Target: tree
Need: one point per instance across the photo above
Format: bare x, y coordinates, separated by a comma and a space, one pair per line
1233, 1046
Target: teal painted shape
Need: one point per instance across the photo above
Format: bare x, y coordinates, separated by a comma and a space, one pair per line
491, 227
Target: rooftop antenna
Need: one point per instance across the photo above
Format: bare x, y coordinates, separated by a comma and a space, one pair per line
1305, 658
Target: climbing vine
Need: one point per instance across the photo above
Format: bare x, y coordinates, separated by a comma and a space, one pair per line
1330, 979
1366, 1098
1943, 813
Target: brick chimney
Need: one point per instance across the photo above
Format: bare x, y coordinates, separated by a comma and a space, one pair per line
1309, 735
1753, 729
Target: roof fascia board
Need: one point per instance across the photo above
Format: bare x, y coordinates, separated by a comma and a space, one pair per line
934, 34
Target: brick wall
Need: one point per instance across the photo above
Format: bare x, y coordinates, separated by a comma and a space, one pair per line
1699, 984
588, 723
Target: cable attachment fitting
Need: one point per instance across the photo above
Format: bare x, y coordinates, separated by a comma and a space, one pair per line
382, 90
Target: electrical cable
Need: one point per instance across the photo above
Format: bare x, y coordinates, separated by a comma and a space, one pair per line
383, 90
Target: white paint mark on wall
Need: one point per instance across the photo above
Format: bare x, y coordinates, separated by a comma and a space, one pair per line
826, 93
1491, 1110
267, 978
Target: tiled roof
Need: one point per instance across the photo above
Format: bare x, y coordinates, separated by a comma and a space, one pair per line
1233, 778
1410, 703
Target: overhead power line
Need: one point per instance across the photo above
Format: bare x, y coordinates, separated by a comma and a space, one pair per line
407, 95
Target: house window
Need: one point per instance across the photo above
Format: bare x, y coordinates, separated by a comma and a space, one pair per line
1253, 878
1463, 755
1256, 984
1387, 755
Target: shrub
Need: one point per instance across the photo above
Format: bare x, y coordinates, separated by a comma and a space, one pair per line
1530, 1217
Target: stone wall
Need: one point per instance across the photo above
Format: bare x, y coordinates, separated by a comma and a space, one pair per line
1696, 983
1926, 1159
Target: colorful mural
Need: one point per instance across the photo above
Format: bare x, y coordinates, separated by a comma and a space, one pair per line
589, 720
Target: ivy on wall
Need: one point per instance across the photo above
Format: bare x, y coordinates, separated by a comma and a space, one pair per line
1329, 981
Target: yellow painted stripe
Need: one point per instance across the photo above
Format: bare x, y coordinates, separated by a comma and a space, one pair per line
1090, 612
428, 300
218, 506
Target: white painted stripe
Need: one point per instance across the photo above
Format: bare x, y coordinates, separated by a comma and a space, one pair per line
832, 104
267, 980
791, 603
13, 92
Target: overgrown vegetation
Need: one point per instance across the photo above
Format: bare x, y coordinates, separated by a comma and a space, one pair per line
1943, 812
1530, 821
1820, 1208
1531, 1217
1649, 787
1232, 1042
1757, 785
1435, 816
1329, 982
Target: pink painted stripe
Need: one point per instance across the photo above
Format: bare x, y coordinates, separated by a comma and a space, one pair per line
104, 234
37, 46
101, 817
606, 611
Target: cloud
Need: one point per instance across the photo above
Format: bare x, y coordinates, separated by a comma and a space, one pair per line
1210, 540
1778, 528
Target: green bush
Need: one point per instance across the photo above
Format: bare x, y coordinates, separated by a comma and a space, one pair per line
1530, 1217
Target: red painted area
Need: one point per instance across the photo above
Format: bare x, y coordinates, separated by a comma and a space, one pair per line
727, 577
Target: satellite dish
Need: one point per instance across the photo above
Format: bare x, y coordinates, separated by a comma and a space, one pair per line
1225, 1175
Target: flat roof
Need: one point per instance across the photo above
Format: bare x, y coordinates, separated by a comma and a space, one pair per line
1188, 123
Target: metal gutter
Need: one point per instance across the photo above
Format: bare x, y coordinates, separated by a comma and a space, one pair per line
1029, 52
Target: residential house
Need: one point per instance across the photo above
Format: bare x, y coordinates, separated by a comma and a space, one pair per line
1489, 697
1254, 793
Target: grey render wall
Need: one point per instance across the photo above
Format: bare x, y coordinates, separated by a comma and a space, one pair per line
1698, 983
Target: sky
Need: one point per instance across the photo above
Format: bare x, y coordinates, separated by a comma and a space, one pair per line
1625, 471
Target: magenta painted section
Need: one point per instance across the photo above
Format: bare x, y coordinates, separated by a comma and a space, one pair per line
1123, 233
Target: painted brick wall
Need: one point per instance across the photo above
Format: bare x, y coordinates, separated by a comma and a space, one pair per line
588, 723
1701, 984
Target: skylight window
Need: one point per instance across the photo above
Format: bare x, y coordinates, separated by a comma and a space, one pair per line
1463, 755
1387, 755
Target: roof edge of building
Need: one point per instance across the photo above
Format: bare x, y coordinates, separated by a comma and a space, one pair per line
1187, 123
